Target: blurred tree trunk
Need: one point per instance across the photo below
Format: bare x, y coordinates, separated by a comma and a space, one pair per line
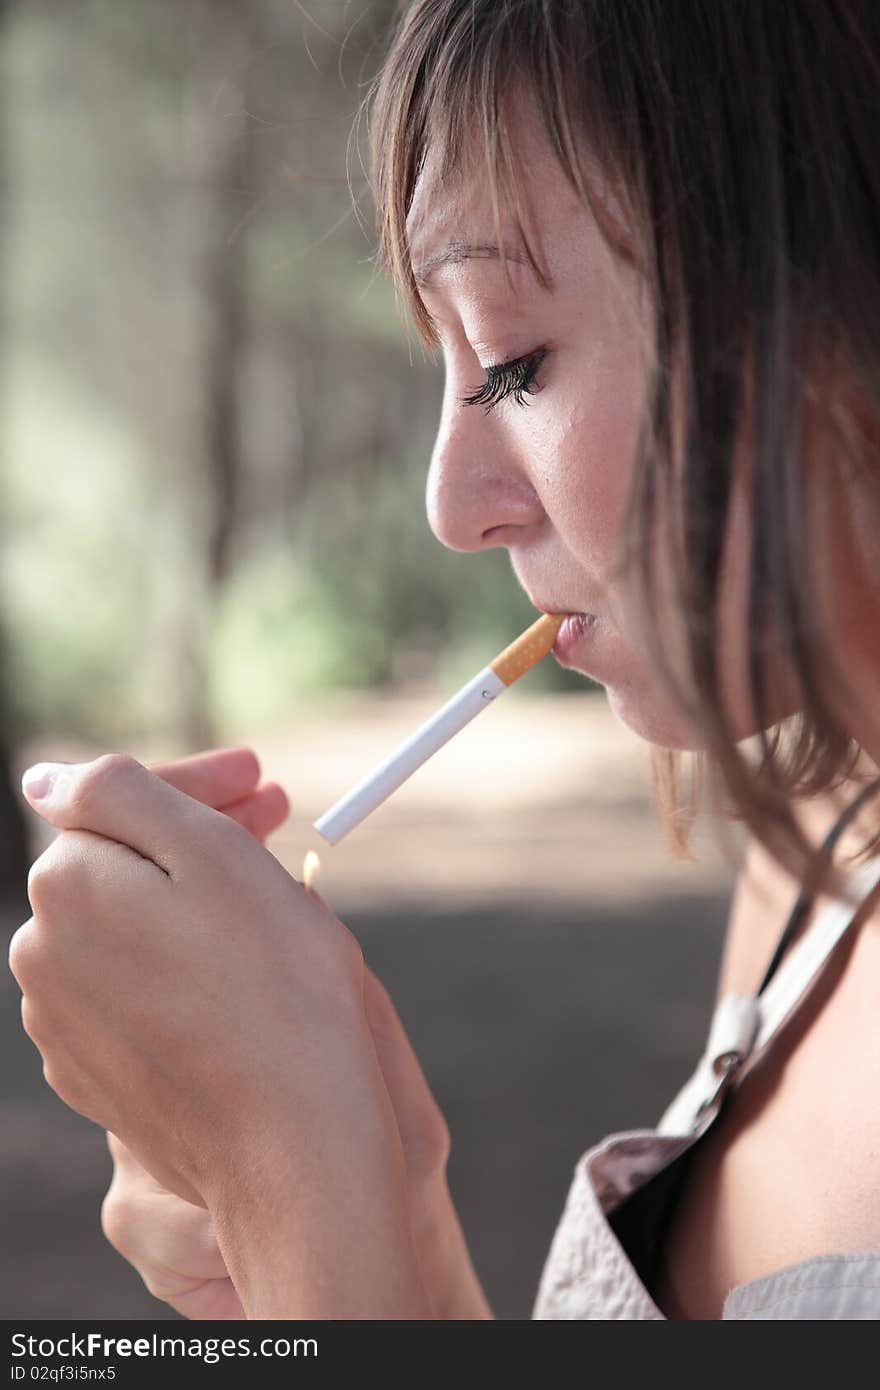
229, 191
15, 856
14, 851
221, 169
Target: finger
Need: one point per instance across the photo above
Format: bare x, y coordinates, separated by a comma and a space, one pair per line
118, 798
161, 1235
427, 1146
217, 778
261, 812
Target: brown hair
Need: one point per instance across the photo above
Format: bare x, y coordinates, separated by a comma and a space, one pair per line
741, 140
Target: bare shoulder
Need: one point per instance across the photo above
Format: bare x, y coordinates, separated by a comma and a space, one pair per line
791, 1169
815, 1094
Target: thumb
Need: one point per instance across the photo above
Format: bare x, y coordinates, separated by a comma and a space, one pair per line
118, 798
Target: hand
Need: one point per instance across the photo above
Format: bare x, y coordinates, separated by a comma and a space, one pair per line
171, 1242
190, 996
227, 780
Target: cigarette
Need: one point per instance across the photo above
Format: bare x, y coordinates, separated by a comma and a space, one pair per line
528, 649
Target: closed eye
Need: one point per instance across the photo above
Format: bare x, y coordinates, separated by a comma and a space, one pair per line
514, 378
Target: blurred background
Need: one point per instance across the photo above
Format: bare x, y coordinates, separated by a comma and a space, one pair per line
215, 436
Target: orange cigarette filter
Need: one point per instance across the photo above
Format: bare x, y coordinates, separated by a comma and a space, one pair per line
529, 648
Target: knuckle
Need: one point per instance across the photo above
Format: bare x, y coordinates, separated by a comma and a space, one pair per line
158, 1281
155, 1283
106, 771
42, 877
30, 1020
55, 1081
442, 1140
64, 1080
60, 871
428, 1150
119, 1221
21, 952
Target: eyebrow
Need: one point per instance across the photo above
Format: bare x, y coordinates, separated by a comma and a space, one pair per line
458, 251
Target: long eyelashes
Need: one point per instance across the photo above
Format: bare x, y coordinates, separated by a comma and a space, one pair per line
515, 378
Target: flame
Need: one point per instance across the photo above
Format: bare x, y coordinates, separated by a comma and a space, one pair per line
311, 869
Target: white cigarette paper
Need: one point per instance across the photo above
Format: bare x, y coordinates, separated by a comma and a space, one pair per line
528, 649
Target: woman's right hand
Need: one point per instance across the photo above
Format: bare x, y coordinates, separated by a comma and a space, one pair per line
170, 1241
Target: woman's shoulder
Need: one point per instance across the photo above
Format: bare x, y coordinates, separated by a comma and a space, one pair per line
789, 1173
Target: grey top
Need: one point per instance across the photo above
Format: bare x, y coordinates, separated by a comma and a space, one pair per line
828, 1286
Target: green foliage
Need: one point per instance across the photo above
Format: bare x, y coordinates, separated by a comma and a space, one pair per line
74, 592
155, 165
278, 638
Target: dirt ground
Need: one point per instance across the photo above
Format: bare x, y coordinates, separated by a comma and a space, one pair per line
554, 966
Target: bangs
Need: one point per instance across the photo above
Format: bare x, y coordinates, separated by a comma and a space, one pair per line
455, 79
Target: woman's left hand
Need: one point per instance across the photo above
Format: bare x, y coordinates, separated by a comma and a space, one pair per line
189, 995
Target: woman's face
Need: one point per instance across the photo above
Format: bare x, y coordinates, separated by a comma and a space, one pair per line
546, 474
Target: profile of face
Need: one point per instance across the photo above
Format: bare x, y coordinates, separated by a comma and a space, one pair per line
544, 393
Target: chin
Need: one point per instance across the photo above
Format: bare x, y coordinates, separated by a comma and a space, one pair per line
654, 721
662, 724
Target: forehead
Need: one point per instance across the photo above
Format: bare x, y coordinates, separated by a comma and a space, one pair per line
453, 214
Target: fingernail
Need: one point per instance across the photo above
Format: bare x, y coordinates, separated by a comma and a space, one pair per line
38, 781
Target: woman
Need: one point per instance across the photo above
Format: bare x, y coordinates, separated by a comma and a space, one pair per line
646, 240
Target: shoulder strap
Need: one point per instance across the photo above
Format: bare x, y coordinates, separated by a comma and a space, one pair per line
791, 981
805, 898
743, 1025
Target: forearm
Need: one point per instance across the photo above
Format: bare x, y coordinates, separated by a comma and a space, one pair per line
447, 1273
292, 1259
355, 1249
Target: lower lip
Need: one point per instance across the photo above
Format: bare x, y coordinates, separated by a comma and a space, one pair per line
575, 629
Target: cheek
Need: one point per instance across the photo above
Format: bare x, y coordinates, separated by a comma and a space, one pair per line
731, 624
637, 691
592, 442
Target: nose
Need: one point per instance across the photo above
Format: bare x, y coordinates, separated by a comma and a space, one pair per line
478, 493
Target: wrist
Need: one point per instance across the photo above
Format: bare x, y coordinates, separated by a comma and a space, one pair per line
320, 1230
